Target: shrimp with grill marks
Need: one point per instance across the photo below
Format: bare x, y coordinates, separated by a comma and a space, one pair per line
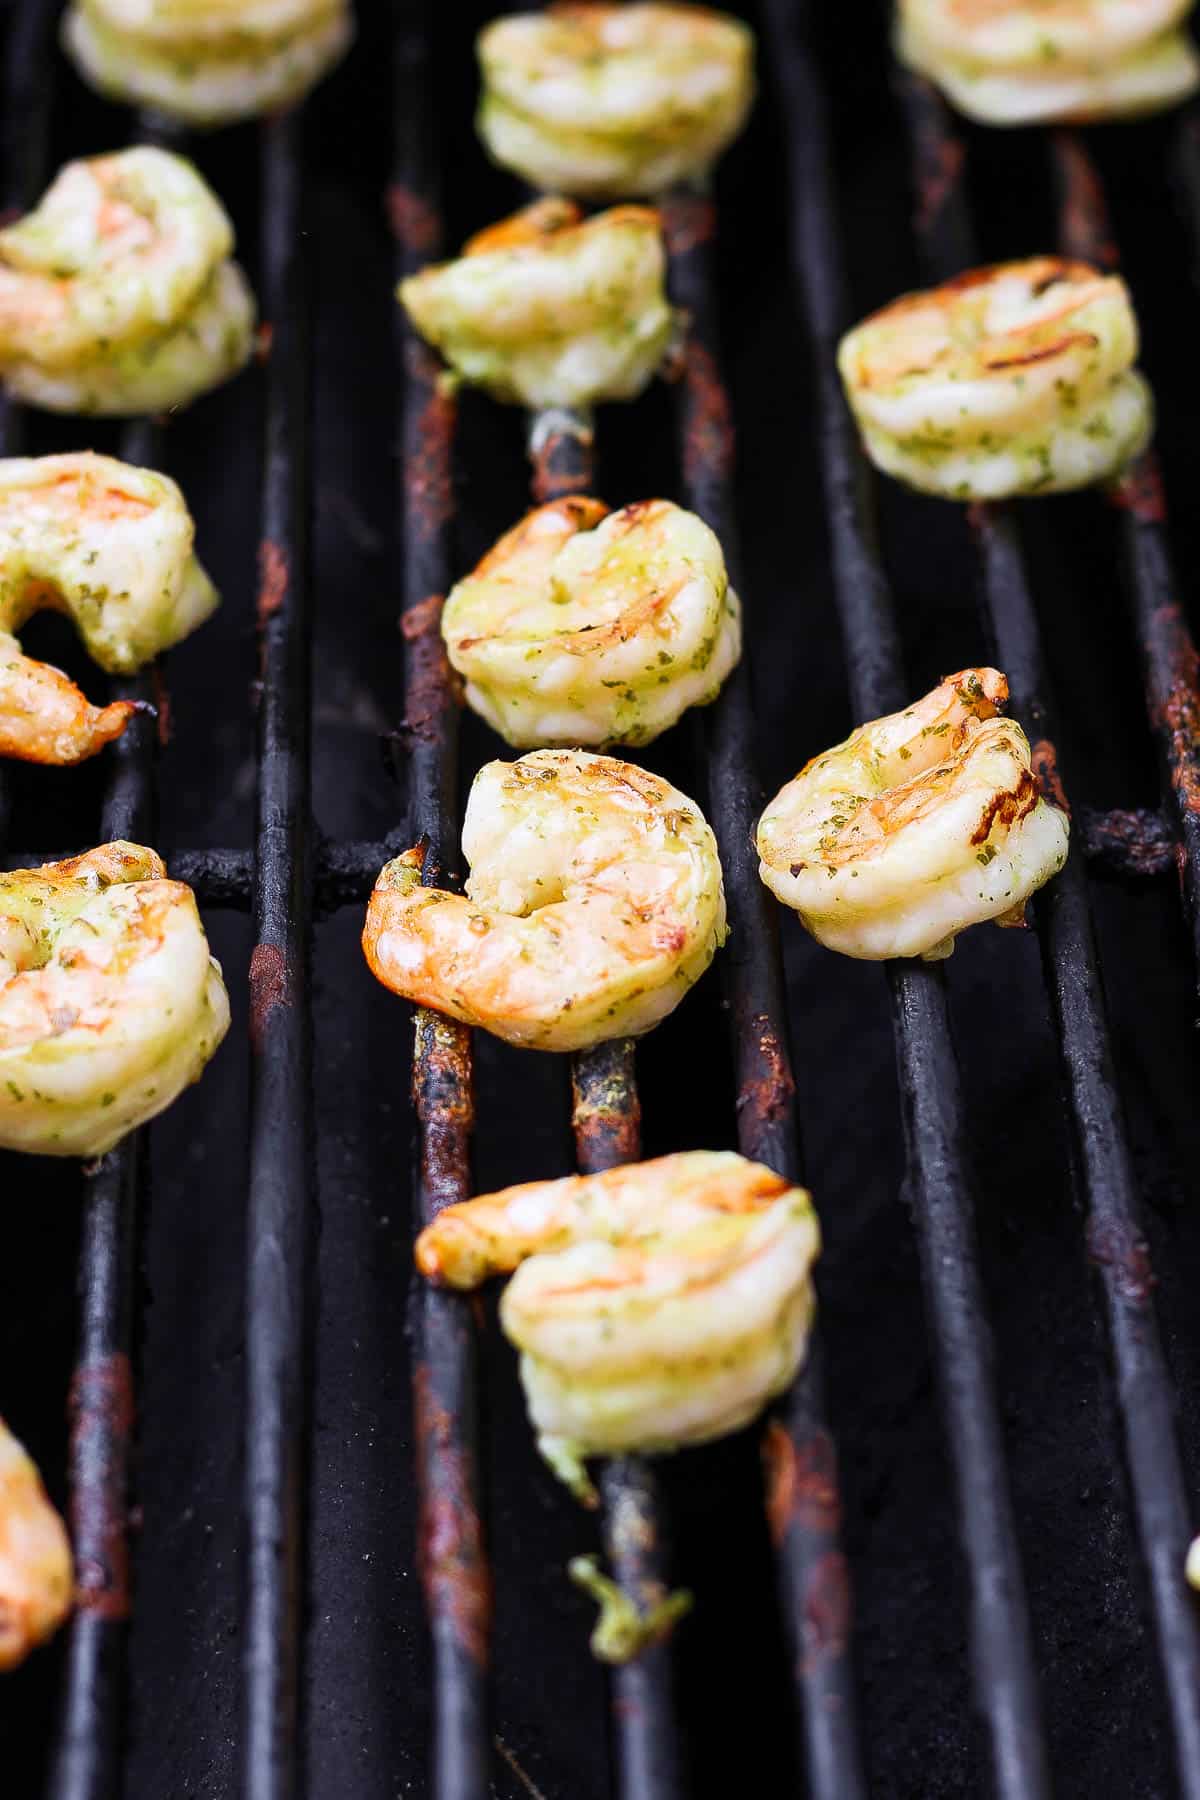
111, 546
548, 308
110, 1003
609, 101
117, 293
919, 825
1015, 62
594, 903
36, 1569
583, 626
1014, 379
655, 1305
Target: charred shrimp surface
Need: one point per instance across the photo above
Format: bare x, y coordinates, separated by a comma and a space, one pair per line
594, 903
608, 101
584, 626
919, 825
655, 1305
550, 309
1015, 64
111, 546
1014, 379
117, 294
36, 1570
110, 1003
208, 62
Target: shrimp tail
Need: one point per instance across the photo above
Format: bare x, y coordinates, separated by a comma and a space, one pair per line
566, 1460
624, 1629
45, 718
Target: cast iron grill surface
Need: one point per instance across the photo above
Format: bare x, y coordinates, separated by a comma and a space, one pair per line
1005, 1636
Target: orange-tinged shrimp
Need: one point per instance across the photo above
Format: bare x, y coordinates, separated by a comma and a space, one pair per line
117, 293
111, 546
920, 824
36, 1570
583, 626
594, 903
654, 1305
110, 1003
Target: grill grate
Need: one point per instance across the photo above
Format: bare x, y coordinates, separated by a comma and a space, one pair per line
294, 876
1002, 1663
1063, 915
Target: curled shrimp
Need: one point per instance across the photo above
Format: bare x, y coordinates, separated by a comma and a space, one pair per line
208, 62
1013, 64
110, 1003
584, 626
594, 903
608, 101
111, 546
547, 308
655, 1305
36, 1569
117, 293
919, 825
1014, 379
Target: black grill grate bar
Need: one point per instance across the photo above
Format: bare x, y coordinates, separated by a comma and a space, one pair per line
1170, 666
102, 1407
1001, 1650
452, 1552
280, 1179
799, 1457
606, 1120
1075, 985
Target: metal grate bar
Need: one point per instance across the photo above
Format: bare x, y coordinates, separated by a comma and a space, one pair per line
800, 1459
1001, 1649
1170, 665
1075, 985
101, 1404
606, 1120
452, 1551
280, 1197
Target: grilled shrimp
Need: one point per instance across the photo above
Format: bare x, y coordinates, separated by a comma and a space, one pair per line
1013, 64
1014, 379
117, 294
110, 1003
547, 308
208, 64
917, 826
608, 101
36, 1569
112, 546
655, 1305
595, 901
583, 626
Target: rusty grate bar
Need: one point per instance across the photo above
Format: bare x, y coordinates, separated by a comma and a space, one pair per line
606, 1121
452, 1551
281, 1161
1001, 1649
1075, 986
101, 1405
799, 1456
1170, 665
